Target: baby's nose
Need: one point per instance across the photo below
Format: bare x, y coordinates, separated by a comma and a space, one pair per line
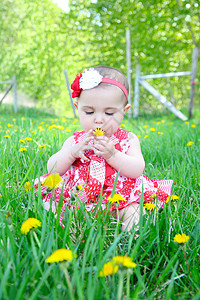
98, 118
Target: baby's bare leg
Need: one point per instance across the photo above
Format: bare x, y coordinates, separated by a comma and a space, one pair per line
130, 215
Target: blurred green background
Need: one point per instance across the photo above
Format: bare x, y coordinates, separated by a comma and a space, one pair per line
39, 40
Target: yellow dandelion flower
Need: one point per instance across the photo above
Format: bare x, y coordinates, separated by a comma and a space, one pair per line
21, 141
138, 135
146, 136
23, 149
52, 181
181, 238
152, 129
125, 261
158, 122
68, 129
52, 126
193, 126
28, 139
27, 186
34, 131
116, 198
172, 197
99, 132
122, 125
149, 206
29, 224
190, 143
41, 123
162, 121
145, 126
60, 255
14, 119
80, 186
1, 196
186, 122
108, 269
8, 215
7, 136
10, 125
42, 146
60, 127
23, 118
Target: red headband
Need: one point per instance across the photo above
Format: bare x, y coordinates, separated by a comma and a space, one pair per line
90, 79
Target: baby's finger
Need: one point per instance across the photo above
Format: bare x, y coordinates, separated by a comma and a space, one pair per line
87, 147
82, 156
97, 152
99, 147
88, 139
101, 142
102, 138
89, 133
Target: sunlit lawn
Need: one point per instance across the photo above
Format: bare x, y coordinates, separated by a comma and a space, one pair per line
165, 269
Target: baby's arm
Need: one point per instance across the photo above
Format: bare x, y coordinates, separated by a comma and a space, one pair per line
130, 164
63, 159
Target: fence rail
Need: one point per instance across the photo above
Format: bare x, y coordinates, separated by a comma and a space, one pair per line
141, 80
13, 84
175, 74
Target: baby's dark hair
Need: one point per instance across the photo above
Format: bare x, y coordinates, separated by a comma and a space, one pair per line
115, 74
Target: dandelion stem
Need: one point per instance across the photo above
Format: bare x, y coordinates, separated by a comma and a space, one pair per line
117, 220
186, 259
128, 285
37, 241
65, 271
120, 287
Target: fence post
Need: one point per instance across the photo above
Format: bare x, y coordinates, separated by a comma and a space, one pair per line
193, 76
15, 92
69, 91
128, 62
137, 91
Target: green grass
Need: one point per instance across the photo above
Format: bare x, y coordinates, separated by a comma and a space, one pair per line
162, 272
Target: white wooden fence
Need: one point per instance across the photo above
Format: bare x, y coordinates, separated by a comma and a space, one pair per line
141, 80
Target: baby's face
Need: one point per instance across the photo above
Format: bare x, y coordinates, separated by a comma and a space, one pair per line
101, 107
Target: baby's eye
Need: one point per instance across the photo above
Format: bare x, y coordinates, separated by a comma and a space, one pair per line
109, 114
89, 112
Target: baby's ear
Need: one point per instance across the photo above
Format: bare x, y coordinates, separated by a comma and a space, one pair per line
76, 104
127, 107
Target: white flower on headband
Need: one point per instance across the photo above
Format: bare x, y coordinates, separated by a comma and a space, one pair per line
90, 79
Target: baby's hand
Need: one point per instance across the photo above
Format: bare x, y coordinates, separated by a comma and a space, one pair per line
79, 149
103, 147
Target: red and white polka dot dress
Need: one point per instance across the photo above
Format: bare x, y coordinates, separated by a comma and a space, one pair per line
85, 180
